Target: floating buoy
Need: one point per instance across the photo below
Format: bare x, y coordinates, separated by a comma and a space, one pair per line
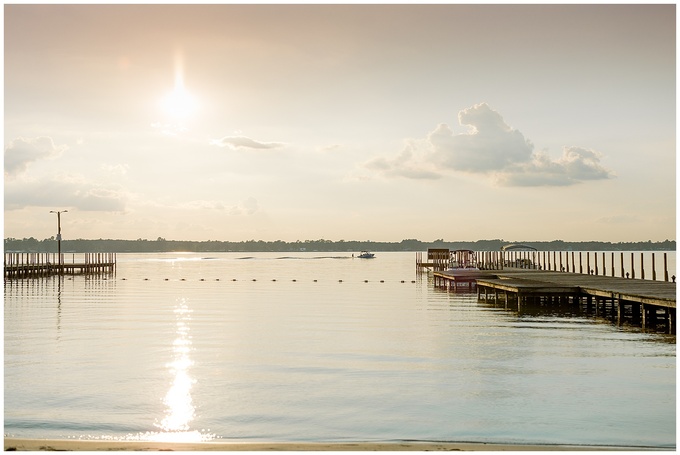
183, 279
339, 281
233, 279
274, 279
123, 279
254, 279
315, 281
217, 279
402, 281
166, 279
202, 279
382, 281
365, 281
146, 279
413, 281
294, 280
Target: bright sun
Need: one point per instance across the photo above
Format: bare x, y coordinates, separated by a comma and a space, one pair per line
179, 103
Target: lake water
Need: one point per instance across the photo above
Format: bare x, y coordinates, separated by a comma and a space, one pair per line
318, 347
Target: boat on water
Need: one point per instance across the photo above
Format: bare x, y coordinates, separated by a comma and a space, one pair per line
366, 255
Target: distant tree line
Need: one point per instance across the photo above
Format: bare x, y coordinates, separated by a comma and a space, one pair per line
159, 245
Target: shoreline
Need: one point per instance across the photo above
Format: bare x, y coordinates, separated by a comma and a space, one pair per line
21, 444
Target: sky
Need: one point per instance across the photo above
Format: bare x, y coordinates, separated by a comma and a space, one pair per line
341, 122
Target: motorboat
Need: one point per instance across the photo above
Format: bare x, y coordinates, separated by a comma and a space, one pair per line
366, 255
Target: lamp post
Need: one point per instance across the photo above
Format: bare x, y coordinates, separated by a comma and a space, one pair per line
59, 231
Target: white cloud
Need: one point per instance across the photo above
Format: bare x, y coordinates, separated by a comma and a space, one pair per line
116, 169
489, 147
22, 151
169, 129
205, 205
575, 165
408, 164
236, 142
330, 148
248, 207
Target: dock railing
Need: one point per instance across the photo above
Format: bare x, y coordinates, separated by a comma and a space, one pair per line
611, 263
34, 265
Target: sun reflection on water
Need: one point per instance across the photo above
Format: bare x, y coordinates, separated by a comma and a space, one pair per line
180, 410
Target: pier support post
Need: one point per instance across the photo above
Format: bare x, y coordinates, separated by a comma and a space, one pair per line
632, 265
519, 303
636, 313
671, 320
648, 316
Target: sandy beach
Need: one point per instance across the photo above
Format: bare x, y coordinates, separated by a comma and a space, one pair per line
91, 445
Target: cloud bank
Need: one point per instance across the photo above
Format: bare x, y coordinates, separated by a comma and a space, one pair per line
249, 206
492, 148
21, 152
62, 191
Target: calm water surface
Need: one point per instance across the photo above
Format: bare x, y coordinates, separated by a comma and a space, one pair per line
274, 347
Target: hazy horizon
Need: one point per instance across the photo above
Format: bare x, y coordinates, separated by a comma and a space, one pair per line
346, 241
390, 122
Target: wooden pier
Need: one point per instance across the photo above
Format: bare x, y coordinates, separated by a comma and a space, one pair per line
34, 265
641, 302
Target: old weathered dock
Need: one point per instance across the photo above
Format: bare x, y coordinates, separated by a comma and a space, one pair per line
34, 265
643, 302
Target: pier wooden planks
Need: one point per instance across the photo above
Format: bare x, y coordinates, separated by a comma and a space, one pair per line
660, 293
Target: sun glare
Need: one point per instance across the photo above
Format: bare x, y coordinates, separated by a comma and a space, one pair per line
179, 104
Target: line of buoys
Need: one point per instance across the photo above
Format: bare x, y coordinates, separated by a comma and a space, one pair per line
255, 279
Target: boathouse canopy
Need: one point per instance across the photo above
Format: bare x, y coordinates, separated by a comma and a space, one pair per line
518, 247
